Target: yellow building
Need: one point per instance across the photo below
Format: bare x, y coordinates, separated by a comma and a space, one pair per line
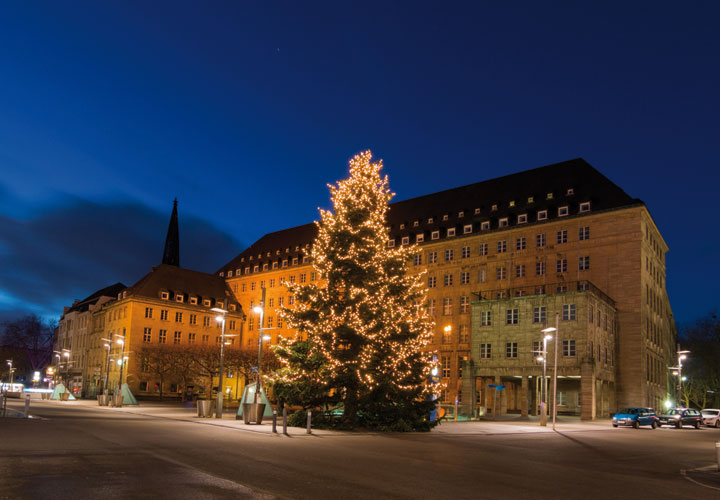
560, 223
169, 310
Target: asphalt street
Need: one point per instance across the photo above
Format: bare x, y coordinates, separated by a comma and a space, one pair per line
78, 452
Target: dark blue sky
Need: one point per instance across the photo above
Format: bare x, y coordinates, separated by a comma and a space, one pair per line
246, 110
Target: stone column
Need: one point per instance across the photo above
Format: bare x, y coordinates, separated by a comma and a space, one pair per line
587, 392
468, 389
524, 396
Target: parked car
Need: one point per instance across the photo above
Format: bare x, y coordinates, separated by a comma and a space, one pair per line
711, 417
635, 416
681, 416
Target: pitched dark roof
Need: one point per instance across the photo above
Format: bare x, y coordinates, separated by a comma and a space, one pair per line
570, 183
189, 283
84, 304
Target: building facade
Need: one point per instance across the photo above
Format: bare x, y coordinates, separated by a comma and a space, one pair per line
562, 223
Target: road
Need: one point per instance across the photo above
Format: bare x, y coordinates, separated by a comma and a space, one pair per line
85, 452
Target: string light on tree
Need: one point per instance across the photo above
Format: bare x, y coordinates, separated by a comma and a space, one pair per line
361, 326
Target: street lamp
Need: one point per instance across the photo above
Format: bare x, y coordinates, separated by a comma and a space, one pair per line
220, 318
66, 353
547, 331
543, 387
108, 344
10, 363
260, 309
121, 342
677, 370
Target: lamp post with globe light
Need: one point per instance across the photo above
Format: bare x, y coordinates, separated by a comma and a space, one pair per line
220, 318
547, 332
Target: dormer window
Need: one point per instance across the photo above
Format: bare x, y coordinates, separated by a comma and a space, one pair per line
522, 219
295, 261
206, 302
265, 267
467, 229
585, 206
477, 211
232, 307
250, 258
435, 235
242, 259
179, 297
503, 222
306, 259
222, 274
461, 214
259, 256
549, 196
494, 208
542, 215
402, 226
419, 238
229, 274
531, 199
193, 300
284, 263
406, 240
275, 265
297, 248
570, 192
237, 272
287, 250
512, 203
562, 211
268, 254
164, 295
277, 252
445, 217
416, 223
485, 225
247, 270
451, 231
391, 243
256, 269
430, 220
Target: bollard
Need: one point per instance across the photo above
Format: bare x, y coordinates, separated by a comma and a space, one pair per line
274, 429
309, 431
285, 421
717, 454
27, 405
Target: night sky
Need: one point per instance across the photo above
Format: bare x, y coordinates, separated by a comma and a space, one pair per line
244, 111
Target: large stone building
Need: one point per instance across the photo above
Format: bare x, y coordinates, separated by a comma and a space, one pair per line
71, 344
535, 233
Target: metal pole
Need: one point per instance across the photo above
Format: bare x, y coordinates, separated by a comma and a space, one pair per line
555, 367
309, 421
11, 371
107, 370
543, 388
27, 405
717, 454
679, 391
285, 421
218, 413
260, 343
274, 425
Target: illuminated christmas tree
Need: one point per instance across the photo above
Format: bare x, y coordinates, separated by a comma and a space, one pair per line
364, 325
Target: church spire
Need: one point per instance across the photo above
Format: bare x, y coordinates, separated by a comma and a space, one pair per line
171, 254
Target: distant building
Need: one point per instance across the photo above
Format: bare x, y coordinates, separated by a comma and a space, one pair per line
510, 243
73, 337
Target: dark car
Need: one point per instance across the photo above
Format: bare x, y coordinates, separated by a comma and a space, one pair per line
635, 416
681, 416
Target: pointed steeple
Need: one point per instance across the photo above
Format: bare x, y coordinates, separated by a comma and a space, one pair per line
171, 254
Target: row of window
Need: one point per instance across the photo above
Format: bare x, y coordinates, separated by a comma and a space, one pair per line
511, 349
285, 263
520, 244
207, 320
512, 316
272, 282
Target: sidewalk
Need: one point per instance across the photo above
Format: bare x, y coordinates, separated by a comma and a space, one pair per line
506, 424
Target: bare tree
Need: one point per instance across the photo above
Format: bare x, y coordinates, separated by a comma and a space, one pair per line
29, 341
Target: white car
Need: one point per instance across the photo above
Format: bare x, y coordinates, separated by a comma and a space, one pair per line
711, 417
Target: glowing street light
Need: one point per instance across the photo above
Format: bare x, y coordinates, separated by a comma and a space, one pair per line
220, 318
547, 331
